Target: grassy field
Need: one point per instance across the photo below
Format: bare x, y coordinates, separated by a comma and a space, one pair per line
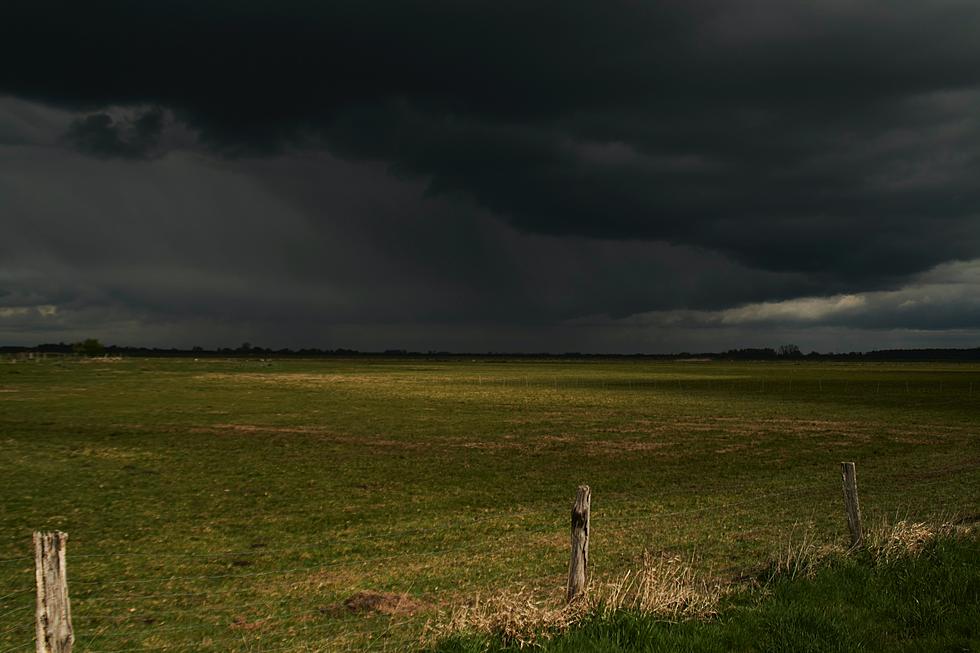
925, 602
234, 505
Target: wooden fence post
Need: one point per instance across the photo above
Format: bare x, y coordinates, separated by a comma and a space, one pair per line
849, 476
53, 616
578, 567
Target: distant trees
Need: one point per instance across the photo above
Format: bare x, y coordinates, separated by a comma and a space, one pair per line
752, 354
88, 347
790, 351
758, 354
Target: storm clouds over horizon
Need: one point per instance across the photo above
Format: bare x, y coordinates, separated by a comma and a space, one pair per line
474, 176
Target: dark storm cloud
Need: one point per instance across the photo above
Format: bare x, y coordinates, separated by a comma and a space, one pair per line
102, 135
387, 173
835, 139
314, 238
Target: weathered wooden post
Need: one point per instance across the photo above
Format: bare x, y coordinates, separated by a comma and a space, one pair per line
849, 476
578, 567
53, 616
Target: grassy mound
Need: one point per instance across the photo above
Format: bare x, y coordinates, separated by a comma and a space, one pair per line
925, 601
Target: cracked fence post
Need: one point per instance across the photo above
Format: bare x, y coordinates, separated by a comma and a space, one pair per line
578, 567
53, 616
849, 476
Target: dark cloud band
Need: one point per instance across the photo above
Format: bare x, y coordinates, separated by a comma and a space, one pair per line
819, 148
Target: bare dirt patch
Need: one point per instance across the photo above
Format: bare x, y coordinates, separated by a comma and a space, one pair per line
387, 603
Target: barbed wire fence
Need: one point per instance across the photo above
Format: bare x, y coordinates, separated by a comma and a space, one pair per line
283, 608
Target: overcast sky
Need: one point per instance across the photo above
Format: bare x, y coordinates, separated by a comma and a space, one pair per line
614, 176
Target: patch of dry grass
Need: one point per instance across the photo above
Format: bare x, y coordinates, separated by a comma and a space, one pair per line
802, 554
520, 616
904, 538
666, 587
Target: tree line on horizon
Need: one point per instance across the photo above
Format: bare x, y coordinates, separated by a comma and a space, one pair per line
92, 347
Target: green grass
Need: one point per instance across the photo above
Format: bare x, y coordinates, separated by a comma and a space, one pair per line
926, 603
233, 505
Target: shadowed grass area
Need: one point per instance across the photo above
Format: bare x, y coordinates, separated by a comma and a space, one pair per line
217, 505
927, 602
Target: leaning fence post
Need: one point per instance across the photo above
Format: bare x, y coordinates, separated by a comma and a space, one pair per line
849, 477
578, 567
53, 616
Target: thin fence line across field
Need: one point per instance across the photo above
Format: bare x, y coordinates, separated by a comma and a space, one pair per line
449, 529
729, 504
16, 610
17, 593
19, 539
162, 579
390, 535
130, 597
135, 650
363, 646
305, 548
871, 487
351, 647
700, 541
920, 472
204, 625
798, 488
150, 630
375, 537
442, 529
328, 565
920, 512
179, 611
102, 617
704, 539
18, 647
20, 626
256, 552
306, 628
271, 603
169, 647
872, 490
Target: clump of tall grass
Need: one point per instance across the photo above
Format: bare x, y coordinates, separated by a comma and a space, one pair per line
802, 555
888, 542
665, 587
519, 617
669, 588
